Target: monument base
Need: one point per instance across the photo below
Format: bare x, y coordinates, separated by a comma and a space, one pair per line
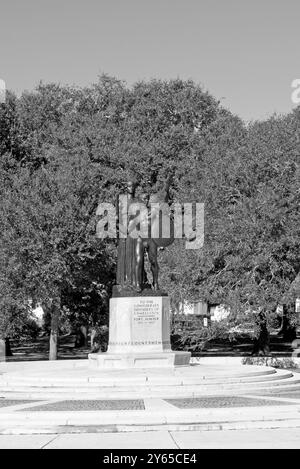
139, 360
139, 335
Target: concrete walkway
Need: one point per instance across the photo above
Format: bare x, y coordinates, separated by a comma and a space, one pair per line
268, 438
222, 412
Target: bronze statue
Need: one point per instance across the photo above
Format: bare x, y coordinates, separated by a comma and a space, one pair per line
131, 273
127, 245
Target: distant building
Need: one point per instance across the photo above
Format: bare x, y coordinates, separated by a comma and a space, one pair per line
198, 308
218, 312
292, 296
205, 311
38, 313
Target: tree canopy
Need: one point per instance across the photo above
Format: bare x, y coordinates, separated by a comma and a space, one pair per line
65, 149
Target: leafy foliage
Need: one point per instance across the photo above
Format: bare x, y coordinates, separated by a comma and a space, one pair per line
65, 149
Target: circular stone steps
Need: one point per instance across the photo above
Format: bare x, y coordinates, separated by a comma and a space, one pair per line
145, 379
74, 380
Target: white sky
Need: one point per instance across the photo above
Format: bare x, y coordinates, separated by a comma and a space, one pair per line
245, 52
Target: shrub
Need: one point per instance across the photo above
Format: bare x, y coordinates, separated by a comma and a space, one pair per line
194, 337
284, 363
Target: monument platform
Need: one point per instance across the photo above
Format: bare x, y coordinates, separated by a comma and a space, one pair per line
68, 396
75, 379
139, 360
139, 335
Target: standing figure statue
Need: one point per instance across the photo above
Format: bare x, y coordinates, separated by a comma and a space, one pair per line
149, 212
127, 269
161, 228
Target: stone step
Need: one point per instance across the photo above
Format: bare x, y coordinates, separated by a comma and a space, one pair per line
103, 377
190, 419
151, 381
91, 382
49, 429
50, 370
76, 381
141, 392
123, 380
161, 392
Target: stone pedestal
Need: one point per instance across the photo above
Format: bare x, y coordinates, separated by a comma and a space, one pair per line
139, 335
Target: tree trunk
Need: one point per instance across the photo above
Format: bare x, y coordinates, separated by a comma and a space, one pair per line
81, 337
287, 329
53, 344
2, 350
93, 335
261, 345
84, 330
8, 351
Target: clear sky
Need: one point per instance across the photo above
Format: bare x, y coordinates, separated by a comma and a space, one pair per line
245, 52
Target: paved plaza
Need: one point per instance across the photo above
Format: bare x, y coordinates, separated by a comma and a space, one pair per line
210, 404
288, 438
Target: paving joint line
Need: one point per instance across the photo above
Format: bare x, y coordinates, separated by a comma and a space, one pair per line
48, 442
173, 439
